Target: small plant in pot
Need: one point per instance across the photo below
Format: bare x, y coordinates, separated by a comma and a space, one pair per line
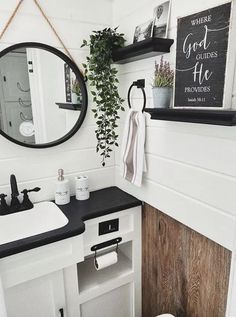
76, 96
162, 84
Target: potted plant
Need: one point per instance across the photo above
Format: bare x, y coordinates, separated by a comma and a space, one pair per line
103, 80
162, 84
76, 96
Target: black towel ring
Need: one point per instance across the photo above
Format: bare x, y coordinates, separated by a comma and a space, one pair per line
140, 83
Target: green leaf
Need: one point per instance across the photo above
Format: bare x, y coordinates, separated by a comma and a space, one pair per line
103, 77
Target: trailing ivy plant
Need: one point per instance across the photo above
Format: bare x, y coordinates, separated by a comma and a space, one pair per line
104, 87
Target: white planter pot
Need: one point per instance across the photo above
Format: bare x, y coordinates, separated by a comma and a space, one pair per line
74, 98
161, 97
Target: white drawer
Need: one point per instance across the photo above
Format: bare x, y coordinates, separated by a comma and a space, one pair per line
41, 261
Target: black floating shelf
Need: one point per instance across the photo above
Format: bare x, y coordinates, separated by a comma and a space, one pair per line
217, 117
69, 106
140, 50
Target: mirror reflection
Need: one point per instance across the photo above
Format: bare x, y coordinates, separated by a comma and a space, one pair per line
40, 96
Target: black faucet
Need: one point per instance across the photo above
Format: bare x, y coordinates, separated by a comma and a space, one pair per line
15, 204
4, 208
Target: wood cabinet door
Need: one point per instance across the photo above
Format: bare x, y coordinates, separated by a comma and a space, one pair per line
42, 297
183, 272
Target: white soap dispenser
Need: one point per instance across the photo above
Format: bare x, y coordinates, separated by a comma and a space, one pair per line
62, 189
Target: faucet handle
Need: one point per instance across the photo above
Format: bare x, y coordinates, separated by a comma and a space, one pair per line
36, 189
26, 191
26, 203
4, 208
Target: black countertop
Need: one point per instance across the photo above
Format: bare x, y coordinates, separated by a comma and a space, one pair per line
100, 203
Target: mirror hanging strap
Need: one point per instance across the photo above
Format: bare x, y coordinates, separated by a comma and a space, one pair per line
53, 29
47, 20
11, 18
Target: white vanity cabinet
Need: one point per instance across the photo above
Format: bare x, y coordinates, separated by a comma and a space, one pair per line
34, 281
60, 280
41, 297
115, 290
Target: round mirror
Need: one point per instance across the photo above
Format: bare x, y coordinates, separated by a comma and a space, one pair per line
43, 97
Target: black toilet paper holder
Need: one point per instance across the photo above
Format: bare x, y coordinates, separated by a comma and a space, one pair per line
105, 244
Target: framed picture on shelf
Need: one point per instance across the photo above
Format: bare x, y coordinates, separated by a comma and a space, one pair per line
201, 77
161, 20
143, 31
67, 74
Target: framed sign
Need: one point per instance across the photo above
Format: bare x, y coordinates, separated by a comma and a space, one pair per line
67, 72
201, 56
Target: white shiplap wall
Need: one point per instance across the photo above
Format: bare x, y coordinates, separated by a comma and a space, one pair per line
191, 167
74, 20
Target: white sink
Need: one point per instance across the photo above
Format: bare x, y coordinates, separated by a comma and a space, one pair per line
44, 217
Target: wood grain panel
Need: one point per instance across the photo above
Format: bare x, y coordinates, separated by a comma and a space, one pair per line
184, 273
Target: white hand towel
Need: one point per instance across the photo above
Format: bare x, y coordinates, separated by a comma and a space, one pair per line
133, 162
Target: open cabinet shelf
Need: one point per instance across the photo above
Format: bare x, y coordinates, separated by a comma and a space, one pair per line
91, 280
140, 50
215, 117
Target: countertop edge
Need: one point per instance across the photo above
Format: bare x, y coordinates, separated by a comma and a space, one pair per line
70, 230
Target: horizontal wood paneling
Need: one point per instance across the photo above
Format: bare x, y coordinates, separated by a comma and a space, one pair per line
98, 179
200, 184
67, 29
191, 148
48, 164
85, 11
217, 225
184, 273
191, 172
74, 21
191, 167
84, 139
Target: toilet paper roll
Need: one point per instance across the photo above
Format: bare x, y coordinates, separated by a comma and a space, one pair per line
105, 260
27, 129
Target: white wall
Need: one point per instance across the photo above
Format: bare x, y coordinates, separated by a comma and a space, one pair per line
74, 21
191, 167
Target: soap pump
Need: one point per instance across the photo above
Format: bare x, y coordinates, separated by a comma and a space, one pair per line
62, 190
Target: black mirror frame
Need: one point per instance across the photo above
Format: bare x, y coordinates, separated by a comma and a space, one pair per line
79, 77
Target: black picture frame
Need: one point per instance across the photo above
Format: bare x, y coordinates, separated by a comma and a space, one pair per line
81, 80
212, 28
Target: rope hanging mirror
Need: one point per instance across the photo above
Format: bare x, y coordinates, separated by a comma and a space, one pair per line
67, 93
46, 19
